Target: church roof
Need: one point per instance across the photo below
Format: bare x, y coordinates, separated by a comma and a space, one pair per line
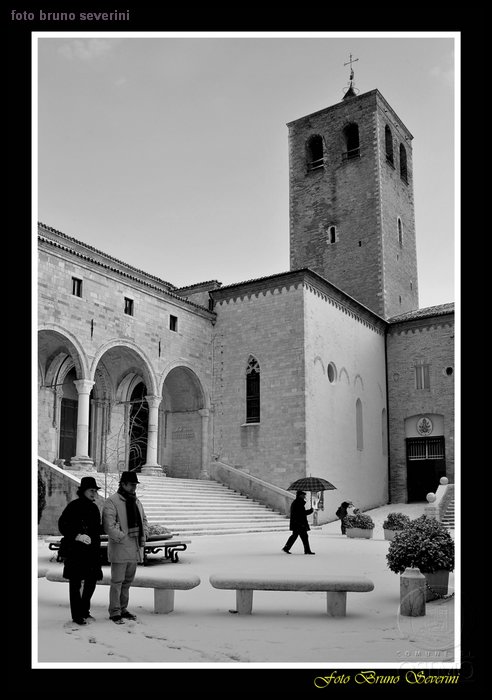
427, 312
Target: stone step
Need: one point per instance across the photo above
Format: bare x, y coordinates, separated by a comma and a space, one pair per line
199, 507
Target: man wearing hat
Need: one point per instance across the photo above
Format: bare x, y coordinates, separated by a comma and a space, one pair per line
126, 525
299, 523
80, 525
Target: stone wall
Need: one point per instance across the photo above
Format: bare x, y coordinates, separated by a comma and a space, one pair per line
60, 488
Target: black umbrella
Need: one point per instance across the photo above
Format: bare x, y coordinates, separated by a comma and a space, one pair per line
311, 483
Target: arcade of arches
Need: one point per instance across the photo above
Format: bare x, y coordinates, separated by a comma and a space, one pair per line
117, 415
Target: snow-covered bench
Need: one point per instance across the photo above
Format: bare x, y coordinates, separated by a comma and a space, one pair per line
336, 588
164, 585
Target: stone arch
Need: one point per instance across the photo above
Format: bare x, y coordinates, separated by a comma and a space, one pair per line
147, 367
70, 342
61, 360
183, 435
118, 368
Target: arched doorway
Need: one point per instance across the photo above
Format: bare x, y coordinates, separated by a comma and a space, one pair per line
61, 364
138, 425
123, 381
183, 425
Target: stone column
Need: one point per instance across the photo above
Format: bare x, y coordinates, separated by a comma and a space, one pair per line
204, 413
151, 468
82, 461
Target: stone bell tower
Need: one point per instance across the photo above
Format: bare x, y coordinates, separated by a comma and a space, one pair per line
351, 201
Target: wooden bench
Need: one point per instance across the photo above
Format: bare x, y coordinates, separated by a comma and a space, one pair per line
164, 585
154, 544
336, 588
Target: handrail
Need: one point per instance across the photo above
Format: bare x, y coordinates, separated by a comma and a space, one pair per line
262, 491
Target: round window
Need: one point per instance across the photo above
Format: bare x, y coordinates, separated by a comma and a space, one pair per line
332, 373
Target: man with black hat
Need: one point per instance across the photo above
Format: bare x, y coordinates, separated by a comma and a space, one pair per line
80, 525
126, 525
299, 523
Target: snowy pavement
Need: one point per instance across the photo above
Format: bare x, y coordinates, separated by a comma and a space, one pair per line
289, 628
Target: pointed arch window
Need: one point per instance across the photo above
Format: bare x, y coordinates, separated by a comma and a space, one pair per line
403, 163
252, 391
358, 425
388, 140
352, 145
315, 153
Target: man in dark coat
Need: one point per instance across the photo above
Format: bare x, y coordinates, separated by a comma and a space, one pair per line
80, 524
299, 523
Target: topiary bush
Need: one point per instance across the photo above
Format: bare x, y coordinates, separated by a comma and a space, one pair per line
396, 521
425, 544
360, 520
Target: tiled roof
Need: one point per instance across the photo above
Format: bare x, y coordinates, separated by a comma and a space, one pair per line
162, 286
109, 257
428, 311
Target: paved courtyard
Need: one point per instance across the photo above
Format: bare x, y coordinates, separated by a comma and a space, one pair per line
285, 627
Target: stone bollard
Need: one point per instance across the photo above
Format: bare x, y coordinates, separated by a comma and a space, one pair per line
412, 593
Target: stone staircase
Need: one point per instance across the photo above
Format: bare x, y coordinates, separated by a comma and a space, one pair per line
198, 507
448, 517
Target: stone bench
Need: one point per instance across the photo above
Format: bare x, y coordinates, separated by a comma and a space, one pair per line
336, 588
164, 585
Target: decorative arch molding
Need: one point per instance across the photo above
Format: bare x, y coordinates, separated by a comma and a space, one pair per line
318, 359
358, 378
79, 356
127, 385
103, 386
344, 373
148, 371
175, 364
58, 369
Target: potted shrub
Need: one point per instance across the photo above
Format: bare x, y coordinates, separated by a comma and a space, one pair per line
395, 522
427, 545
359, 525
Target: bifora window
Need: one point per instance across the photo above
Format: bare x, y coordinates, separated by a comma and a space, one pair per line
252, 391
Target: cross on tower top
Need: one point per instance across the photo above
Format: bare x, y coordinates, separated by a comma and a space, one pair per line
350, 63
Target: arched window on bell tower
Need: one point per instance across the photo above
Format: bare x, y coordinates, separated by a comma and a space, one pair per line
351, 138
388, 140
252, 390
314, 152
403, 163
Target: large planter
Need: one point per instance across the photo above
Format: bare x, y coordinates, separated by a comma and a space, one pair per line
437, 584
390, 534
359, 532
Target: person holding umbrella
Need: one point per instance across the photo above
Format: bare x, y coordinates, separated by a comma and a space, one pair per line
299, 523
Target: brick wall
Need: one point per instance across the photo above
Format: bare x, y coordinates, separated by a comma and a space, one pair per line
268, 324
362, 198
428, 340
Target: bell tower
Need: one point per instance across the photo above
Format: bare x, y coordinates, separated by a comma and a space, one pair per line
351, 200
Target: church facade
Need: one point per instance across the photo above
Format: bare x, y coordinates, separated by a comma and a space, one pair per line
329, 369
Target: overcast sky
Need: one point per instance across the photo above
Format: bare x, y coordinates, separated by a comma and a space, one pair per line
170, 153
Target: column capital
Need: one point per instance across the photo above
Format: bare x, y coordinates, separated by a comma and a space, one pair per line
153, 401
84, 386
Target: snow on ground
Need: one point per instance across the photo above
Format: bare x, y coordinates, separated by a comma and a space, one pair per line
284, 628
